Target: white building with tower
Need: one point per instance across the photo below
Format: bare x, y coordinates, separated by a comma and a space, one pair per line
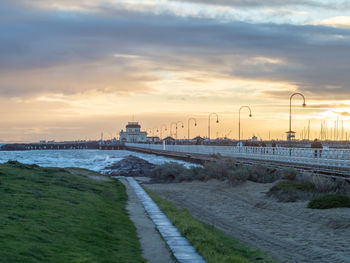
133, 133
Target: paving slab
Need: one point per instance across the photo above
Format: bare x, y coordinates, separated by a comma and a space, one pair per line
181, 248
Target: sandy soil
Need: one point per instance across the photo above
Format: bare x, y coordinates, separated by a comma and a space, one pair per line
288, 231
154, 249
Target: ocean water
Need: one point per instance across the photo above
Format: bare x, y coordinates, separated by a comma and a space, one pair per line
95, 160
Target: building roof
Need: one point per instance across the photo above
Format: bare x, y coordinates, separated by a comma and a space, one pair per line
133, 125
169, 138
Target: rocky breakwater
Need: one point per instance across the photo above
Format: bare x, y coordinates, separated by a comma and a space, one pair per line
130, 166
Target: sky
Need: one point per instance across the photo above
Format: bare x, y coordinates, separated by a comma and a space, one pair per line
70, 69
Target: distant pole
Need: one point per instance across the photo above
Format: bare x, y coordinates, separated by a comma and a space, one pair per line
149, 129
155, 133
182, 125
239, 120
171, 128
290, 114
161, 129
195, 124
217, 121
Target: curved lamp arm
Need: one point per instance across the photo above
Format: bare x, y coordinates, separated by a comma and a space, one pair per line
290, 107
239, 120
195, 124
217, 121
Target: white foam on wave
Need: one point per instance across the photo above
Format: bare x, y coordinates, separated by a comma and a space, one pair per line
95, 160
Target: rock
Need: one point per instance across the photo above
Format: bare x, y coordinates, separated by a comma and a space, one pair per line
130, 166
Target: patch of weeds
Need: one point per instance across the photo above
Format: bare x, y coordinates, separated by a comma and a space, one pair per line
170, 171
291, 191
289, 174
263, 174
238, 176
330, 201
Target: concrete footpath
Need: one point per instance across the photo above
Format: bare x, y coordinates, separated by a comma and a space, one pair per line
179, 246
154, 249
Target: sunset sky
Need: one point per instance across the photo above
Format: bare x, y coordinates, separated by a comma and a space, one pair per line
72, 69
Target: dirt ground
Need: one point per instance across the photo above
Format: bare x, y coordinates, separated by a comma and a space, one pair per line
288, 231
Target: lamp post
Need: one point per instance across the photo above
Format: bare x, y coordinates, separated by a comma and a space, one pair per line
161, 129
195, 124
171, 128
155, 133
182, 125
239, 120
149, 129
217, 121
290, 132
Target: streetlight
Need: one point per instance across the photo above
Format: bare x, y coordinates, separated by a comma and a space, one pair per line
171, 128
182, 125
290, 132
149, 129
154, 133
161, 129
217, 121
195, 124
239, 120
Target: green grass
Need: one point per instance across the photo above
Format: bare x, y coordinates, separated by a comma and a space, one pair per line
51, 215
330, 201
212, 244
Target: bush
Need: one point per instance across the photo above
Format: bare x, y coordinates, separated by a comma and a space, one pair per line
289, 174
219, 168
222, 168
263, 174
330, 201
324, 184
198, 173
237, 176
291, 191
169, 171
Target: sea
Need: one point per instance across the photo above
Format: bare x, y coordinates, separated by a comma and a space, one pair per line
95, 160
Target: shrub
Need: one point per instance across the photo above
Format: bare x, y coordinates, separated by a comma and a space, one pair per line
291, 191
324, 184
330, 201
198, 173
289, 174
219, 168
263, 174
237, 176
169, 171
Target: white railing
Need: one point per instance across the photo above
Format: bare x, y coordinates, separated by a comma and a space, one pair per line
332, 158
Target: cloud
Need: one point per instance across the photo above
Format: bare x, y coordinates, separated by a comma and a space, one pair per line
272, 3
345, 113
45, 51
338, 21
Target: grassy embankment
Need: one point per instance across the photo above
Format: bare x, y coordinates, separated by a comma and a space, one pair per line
212, 244
53, 215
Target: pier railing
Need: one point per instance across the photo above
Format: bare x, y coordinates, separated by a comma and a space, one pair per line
331, 158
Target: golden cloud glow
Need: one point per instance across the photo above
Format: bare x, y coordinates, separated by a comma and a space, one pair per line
338, 21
